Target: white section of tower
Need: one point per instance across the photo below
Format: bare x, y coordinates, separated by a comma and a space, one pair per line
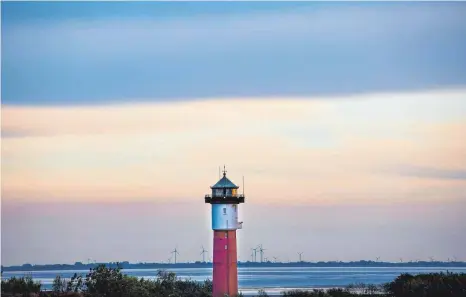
225, 217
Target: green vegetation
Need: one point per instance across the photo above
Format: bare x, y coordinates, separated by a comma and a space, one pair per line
20, 286
405, 285
428, 285
104, 281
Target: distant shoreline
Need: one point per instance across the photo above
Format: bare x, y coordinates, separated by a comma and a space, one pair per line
127, 265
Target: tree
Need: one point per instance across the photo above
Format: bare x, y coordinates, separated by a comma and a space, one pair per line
58, 285
262, 293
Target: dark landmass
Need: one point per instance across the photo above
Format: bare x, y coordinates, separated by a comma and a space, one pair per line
127, 265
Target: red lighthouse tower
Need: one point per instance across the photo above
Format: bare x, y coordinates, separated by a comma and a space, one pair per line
225, 200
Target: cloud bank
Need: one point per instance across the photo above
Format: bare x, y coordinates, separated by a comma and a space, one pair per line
311, 51
311, 151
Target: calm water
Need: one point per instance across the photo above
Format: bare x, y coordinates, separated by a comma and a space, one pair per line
272, 279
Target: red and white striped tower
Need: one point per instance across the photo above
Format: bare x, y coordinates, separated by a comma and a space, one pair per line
225, 200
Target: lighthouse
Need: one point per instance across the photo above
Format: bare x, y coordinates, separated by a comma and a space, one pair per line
225, 200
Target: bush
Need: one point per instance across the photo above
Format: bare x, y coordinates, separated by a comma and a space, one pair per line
58, 285
303, 293
262, 293
23, 285
105, 281
339, 293
428, 285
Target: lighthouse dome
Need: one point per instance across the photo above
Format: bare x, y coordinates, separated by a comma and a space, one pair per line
224, 187
224, 192
224, 183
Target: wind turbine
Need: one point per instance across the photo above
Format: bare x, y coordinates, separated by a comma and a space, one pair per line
431, 259
203, 254
377, 259
255, 254
175, 252
401, 260
300, 254
275, 259
261, 250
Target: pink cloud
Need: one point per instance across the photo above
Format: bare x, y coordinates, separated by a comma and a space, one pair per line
159, 152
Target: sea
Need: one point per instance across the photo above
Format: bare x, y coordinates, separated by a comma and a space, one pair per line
273, 280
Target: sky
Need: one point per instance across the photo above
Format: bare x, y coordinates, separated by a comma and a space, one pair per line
347, 121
